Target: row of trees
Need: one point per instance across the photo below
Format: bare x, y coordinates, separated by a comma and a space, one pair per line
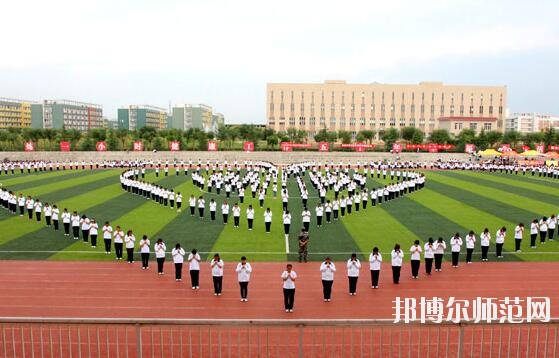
232, 138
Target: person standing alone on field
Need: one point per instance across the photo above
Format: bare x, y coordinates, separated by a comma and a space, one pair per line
327, 269
303, 245
288, 277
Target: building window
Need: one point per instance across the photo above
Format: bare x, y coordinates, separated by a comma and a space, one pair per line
473, 126
362, 121
471, 110
458, 126
403, 108
487, 126
352, 121
332, 121
490, 110
480, 109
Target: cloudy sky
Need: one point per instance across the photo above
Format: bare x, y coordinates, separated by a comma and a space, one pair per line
222, 53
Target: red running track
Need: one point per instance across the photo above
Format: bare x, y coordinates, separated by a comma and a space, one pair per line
121, 290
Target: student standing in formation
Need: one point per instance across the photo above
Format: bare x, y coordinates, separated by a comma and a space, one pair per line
30, 204
107, 236
85, 225
250, 217
551, 225
286, 223
289, 276
375, 261
500, 241
543, 229
48, 214
327, 269
118, 241
144, 251
470, 244
415, 260
130, 241
485, 240
440, 246
306, 214
93, 232
201, 206
268, 220
397, 258
534, 227
66, 217
518, 233
236, 214
194, 268
38, 210
328, 211
319, 212
159, 248
353, 268
243, 275
455, 246
192, 204
429, 254
75, 225
225, 211
179, 202
217, 274
213, 208
178, 258
55, 214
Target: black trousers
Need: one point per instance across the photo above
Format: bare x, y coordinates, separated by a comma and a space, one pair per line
55, 224
178, 271
201, 212
160, 262
327, 288
130, 254
428, 265
250, 221
499, 249
192, 210
38, 215
218, 281
335, 214
352, 283
319, 220
268, 225
93, 240
286, 228
21, 210
484, 251
212, 215
67, 228
236, 220
118, 249
438, 261
145, 259
288, 298
195, 278
244, 289
533, 238
517, 243
374, 277
85, 235
306, 225
107, 245
543, 235
551, 233
30, 213
225, 218
469, 253
76, 231
396, 273
415, 267
328, 215
47, 220
455, 258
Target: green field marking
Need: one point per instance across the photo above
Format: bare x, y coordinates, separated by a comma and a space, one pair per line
46, 179
140, 215
19, 179
507, 197
528, 178
549, 196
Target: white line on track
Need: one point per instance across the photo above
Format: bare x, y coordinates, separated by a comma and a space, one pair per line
268, 252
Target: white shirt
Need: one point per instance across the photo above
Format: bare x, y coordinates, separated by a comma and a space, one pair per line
107, 231
397, 258
55, 212
543, 225
159, 249
353, 268
144, 246
129, 240
289, 279
85, 223
440, 247
552, 223
533, 228
268, 216
429, 250
178, 255
485, 239
250, 213
375, 261
93, 229
243, 272
66, 217
119, 235
500, 237
194, 261
217, 268
416, 252
470, 241
518, 231
455, 244
213, 206
327, 271
75, 220
287, 218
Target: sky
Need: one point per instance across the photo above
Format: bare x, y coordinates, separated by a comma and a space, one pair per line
222, 53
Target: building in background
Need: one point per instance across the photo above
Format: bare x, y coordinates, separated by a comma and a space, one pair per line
110, 123
15, 113
454, 125
218, 120
194, 116
531, 122
135, 117
67, 114
337, 105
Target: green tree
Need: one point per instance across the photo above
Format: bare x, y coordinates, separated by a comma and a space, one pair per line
512, 138
368, 135
440, 136
389, 137
344, 136
494, 137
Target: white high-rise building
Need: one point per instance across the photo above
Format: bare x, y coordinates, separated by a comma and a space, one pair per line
531, 122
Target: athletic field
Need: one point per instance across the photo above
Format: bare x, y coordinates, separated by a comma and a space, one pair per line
456, 201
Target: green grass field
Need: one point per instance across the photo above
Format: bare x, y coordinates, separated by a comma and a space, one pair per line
451, 202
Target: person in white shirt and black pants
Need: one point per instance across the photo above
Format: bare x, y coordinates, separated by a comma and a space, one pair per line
397, 258
129, 242
160, 249
327, 269
375, 261
429, 254
243, 275
217, 274
194, 268
178, 258
440, 246
470, 244
500, 241
353, 268
456, 245
415, 260
518, 234
534, 227
144, 252
485, 240
289, 276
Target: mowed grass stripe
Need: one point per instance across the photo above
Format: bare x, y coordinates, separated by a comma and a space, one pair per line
546, 196
46, 180
10, 180
467, 217
538, 208
528, 178
131, 212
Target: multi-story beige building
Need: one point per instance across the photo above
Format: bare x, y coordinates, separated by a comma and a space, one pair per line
531, 122
15, 113
337, 105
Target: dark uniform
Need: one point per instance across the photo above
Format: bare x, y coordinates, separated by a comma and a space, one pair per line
303, 245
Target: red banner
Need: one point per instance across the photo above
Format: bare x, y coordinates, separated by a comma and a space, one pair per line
470, 148
432, 147
540, 148
212, 146
29, 146
505, 148
64, 146
138, 146
323, 146
553, 147
174, 146
525, 148
288, 146
248, 146
396, 147
358, 147
101, 146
